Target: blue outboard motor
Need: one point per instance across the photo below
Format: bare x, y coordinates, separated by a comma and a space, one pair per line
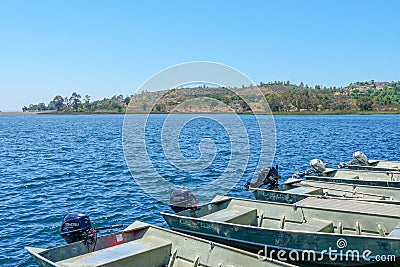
75, 227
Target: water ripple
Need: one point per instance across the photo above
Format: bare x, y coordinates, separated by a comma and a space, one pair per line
51, 165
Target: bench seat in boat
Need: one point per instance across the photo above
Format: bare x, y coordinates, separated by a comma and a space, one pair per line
306, 190
316, 225
234, 214
149, 252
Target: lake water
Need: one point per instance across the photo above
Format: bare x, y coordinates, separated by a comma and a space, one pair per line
51, 165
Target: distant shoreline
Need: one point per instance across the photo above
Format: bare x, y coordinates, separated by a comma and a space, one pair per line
17, 113
347, 112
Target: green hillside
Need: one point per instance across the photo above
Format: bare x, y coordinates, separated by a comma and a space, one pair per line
282, 97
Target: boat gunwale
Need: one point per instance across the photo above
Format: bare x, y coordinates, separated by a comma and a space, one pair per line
364, 182
38, 255
144, 225
329, 170
347, 184
256, 243
228, 199
280, 230
370, 168
381, 201
291, 205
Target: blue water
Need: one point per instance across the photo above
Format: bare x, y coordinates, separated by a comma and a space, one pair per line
51, 165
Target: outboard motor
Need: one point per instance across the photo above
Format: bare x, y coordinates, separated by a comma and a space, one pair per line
266, 176
361, 158
317, 165
182, 199
75, 227
269, 175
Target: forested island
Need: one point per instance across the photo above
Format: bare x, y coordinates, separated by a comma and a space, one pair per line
76, 104
283, 97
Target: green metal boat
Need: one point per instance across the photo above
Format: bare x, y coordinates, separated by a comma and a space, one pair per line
358, 177
322, 231
361, 162
145, 245
294, 190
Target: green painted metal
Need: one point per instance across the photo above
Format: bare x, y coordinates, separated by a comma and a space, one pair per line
359, 177
309, 225
376, 165
145, 245
293, 192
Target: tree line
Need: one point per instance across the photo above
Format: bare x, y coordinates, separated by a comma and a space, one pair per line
361, 96
75, 103
281, 96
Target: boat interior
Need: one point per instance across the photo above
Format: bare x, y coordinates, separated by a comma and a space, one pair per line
362, 174
113, 250
313, 188
310, 214
376, 165
378, 191
384, 164
146, 245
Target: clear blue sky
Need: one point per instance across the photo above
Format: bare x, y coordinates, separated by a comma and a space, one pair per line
102, 48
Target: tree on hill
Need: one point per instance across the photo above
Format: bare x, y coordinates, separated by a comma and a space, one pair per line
281, 96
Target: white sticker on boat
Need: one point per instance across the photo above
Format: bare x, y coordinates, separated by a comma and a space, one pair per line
119, 238
209, 207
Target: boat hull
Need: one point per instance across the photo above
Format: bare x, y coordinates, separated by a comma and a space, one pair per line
326, 228
277, 196
270, 242
145, 245
374, 165
370, 168
289, 193
382, 183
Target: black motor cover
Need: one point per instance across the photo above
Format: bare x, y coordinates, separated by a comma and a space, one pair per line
182, 199
74, 227
267, 176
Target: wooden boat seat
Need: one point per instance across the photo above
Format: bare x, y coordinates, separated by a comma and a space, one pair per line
395, 232
144, 252
234, 214
316, 225
306, 190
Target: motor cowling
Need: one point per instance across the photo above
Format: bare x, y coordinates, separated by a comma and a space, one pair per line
361, 158
317, 165
74, 227
267, 176
182, 199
